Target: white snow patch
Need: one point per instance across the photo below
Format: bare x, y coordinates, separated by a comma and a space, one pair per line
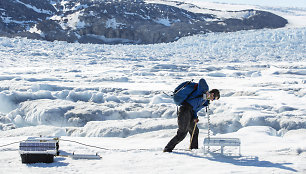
164, 21
35, 8
112, 23
35, 30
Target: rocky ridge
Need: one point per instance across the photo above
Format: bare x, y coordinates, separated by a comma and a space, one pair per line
121, 21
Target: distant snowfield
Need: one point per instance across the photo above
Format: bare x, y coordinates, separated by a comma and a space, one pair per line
112, 96
294, 11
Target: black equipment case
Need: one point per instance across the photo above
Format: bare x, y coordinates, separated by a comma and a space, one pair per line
39, 149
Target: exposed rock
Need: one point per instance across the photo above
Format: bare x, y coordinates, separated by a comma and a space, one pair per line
120, 21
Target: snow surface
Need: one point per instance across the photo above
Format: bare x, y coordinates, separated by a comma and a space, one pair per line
112, 97
34, 8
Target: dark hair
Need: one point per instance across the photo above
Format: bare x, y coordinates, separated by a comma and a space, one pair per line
216, 93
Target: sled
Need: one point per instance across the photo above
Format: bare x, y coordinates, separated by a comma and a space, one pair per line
85, 156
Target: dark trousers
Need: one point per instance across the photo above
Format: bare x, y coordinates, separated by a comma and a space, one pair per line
185, 125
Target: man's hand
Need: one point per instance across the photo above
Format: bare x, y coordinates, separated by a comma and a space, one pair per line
196, 120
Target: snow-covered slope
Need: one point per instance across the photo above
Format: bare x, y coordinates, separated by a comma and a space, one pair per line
293, 12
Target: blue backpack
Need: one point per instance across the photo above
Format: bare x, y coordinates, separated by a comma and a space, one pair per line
183, 91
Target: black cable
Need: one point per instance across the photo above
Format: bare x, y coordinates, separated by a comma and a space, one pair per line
108, 149
86, 144
11, 143
103, 148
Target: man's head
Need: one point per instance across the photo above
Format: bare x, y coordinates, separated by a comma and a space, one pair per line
214, 94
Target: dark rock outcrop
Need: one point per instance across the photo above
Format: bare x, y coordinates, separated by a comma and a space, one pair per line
124, 21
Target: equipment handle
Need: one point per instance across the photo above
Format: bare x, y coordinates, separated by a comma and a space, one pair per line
195, 125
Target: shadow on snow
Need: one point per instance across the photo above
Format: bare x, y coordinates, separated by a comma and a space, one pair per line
240, 160
57, 163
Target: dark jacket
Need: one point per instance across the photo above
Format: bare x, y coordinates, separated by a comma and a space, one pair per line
196, 100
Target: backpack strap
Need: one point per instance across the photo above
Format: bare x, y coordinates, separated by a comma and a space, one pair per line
175, 92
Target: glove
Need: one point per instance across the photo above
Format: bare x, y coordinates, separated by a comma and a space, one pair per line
204, 96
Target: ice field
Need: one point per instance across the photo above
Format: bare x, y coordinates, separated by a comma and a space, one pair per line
112, 96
